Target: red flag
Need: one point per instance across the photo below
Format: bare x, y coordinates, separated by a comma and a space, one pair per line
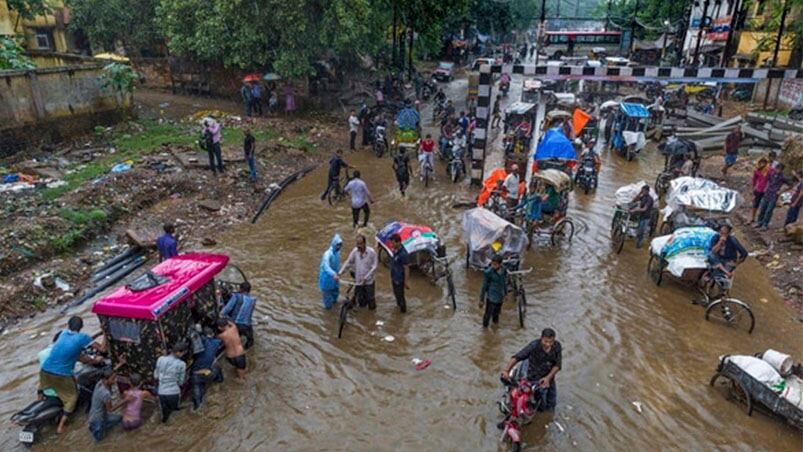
579, 120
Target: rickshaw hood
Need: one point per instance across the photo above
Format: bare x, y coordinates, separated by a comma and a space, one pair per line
185, 273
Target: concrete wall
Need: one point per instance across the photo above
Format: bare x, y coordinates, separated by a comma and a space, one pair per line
53, 103
784, 94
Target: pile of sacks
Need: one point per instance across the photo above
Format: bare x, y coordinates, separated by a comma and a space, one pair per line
773, 369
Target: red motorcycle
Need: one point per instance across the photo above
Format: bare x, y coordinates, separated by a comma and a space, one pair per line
519, 404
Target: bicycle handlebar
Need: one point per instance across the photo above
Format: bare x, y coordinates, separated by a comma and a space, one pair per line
520, 272
348, 283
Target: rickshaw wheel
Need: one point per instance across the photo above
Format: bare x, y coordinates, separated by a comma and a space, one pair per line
468, 258
653, 222
740, 395
530, 228
655, 268
666, 228
731, 312
563, 229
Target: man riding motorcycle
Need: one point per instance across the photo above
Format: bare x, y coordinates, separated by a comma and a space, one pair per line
504, 83
544, 361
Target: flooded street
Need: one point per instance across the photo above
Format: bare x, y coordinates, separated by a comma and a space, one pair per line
624, 340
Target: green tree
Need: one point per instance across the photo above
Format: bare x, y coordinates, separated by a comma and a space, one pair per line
792, 32
28, 9
12, 56
107, 22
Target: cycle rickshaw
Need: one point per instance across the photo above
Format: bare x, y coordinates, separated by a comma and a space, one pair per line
427, 252
553, 187
623, 224
683, 256
694, 201
486, 235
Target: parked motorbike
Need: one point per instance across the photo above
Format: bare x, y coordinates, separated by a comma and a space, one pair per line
380, 140
48, 408
586, 176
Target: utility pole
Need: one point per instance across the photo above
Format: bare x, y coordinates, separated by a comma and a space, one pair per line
608, 16
541, 31
775, 52
700, 33
394, 61
726, 51
633, 29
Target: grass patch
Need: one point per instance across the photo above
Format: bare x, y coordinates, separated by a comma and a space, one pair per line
302, 142
65, 242
82, 217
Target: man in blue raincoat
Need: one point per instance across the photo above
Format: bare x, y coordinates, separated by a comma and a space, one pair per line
327, 275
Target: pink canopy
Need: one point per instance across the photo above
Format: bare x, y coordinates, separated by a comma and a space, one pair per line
185, 273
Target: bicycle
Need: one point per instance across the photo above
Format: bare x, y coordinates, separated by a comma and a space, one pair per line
516, 285
337, 194
426, 171
349, 301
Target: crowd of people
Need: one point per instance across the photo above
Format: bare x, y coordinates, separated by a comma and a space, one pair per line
231, 337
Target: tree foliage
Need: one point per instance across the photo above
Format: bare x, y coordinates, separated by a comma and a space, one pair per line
792, 32
28, 9
12, 55
107, 22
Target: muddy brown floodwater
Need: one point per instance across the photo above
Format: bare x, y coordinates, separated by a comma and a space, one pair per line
624, 340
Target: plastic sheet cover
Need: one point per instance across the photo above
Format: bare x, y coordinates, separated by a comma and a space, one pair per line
699, 193
625, 195
685, 249
481, 228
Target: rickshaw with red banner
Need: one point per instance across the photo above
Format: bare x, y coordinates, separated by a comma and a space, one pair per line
144, 319
427, 252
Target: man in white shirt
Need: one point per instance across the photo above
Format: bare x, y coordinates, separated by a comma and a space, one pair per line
512, 186
363, 261
354, 123
360, 198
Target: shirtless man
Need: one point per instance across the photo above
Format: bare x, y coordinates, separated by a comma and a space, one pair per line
234, 351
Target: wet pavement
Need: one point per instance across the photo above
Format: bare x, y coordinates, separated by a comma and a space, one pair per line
624, 340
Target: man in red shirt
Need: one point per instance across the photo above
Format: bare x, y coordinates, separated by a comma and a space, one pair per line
427, 148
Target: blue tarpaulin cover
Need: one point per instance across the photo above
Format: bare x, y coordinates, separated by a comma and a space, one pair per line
555, 145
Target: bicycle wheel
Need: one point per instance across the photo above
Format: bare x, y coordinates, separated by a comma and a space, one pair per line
655, 268
521, 299
332, 197
344, 312
426, 176
666, 228
530, 232
450, 288
732, 312
562, 231
618, 238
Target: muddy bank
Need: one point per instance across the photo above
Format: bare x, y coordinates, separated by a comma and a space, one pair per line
79, 212
777, 252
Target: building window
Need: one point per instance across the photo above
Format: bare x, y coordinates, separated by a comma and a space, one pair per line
44, 38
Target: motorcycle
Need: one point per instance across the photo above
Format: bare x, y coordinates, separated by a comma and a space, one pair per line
796, 113
587, 175
380, 138
519, 404
445, 149
48, 408
438, 109
504, 87
456, 167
